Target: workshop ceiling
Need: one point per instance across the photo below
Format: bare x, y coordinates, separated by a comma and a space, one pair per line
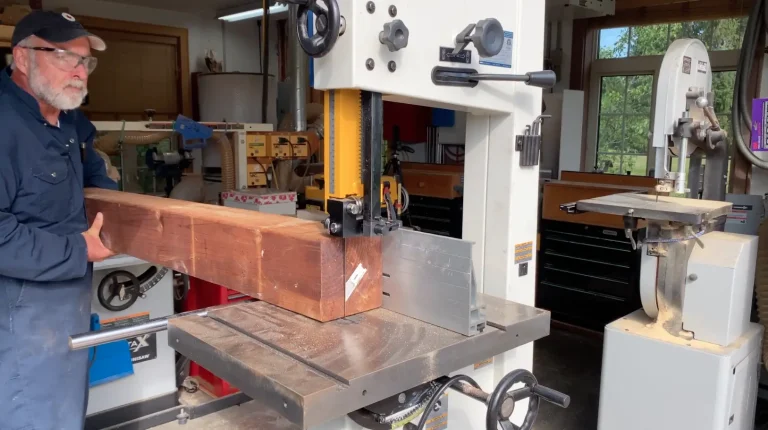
190, 6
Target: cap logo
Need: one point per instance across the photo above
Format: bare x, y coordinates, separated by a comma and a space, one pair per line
68, 17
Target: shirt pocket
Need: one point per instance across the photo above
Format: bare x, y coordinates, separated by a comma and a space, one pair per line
50, 188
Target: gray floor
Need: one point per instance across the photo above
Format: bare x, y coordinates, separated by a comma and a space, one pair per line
569, 361
565, 360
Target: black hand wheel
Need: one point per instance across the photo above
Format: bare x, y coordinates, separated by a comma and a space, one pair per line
121, 285
327, 28
501, 404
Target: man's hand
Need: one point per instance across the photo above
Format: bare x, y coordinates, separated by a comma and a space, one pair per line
96, 249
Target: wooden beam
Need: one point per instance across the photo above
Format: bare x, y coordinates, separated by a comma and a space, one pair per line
645, 12
284, 261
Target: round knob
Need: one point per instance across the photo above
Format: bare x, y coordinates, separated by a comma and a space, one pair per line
488, 37
395, 35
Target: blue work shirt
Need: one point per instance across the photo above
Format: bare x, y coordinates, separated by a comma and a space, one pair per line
42, 207
45, 277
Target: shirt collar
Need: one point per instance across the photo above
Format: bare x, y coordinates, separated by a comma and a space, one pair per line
7, 84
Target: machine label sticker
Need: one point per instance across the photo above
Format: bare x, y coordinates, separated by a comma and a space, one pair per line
687, 65
702, 67
354, 281
484, 363
523, 252
143, 347
759, 125
464, 56
739, 214
503, 58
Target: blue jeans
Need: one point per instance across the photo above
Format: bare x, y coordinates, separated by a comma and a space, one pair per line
44, 384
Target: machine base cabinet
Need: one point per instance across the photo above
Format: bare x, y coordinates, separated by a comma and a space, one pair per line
153, 360
652, 380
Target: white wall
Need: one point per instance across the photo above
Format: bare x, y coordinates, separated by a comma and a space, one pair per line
560, 48
241, 39
241, 47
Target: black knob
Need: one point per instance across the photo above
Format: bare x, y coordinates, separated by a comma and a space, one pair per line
543, 79
394, 35
326, 34
488, 37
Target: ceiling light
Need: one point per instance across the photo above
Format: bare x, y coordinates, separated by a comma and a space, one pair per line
254, 13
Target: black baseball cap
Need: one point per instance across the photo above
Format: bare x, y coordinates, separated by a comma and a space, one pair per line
54, 27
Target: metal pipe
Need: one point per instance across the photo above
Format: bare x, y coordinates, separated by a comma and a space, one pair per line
101, 337
682, 156
299, 74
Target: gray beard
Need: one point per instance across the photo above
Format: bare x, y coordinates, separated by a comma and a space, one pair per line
60, 100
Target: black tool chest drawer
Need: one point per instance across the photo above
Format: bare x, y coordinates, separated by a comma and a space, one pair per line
435, 215
587, 275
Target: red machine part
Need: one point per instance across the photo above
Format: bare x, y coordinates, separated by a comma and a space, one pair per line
201, 295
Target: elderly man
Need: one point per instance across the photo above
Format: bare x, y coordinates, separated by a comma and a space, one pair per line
46, 247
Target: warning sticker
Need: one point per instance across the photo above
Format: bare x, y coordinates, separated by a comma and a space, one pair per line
739, 214
484, 363
523, 252
702, 67
503, 58
143, 347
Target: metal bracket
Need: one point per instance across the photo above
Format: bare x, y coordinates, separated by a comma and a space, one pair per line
529, 144
570, 208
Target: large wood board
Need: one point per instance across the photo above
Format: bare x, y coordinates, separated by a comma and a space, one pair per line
284, 261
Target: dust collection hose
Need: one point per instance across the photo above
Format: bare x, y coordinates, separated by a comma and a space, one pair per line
741, 115
756, 26
227, 162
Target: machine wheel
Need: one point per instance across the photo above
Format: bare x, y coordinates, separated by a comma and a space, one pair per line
326, 31
501, 406
121, 285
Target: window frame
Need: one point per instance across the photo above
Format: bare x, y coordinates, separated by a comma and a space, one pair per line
721, 61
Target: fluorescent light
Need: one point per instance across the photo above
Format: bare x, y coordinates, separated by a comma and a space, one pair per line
254, 13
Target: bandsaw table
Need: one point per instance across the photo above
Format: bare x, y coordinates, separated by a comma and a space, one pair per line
313, 372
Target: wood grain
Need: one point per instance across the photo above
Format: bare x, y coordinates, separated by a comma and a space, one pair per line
558, 193
609, 179
284, 261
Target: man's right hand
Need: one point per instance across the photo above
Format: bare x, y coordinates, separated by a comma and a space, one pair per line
96, 249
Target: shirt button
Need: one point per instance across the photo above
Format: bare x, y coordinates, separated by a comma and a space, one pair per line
71, 140
53, 174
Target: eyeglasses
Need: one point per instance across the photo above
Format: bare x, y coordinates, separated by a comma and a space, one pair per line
67, 60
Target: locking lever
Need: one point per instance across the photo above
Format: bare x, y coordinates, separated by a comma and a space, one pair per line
459, 77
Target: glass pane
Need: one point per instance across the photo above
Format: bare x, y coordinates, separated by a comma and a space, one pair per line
639, 92
613, 43
726, 34
722, 85
718, 35
725, 122
609, 163
611, 133
636, 165
612, 93
649, 40
636, 134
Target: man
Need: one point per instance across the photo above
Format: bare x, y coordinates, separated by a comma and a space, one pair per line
46, 248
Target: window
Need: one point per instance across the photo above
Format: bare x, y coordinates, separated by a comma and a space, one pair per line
720, 35
622, 88
625, 116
